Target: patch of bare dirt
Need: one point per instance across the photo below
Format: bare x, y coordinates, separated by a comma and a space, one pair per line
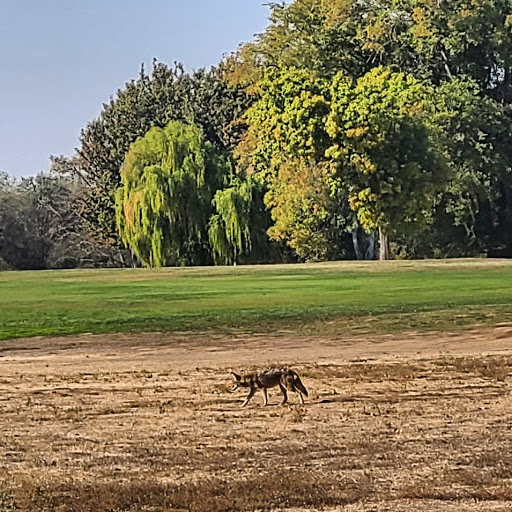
145, 422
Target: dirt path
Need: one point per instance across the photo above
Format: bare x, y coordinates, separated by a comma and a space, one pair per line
144, 422
188, 351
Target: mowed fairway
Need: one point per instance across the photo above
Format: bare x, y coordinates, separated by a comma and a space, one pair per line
408, 367
324, 297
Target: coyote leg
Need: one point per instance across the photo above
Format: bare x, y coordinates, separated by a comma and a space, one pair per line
265, 397
249, 396
285, 395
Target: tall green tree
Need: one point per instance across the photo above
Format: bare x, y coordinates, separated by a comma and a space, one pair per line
388, 161
238, 227
326, 147
429, 39
476, 131
20, 247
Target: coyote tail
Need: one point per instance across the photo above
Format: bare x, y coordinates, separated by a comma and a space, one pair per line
297, 383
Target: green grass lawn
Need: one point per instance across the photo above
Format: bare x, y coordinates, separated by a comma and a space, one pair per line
323, 298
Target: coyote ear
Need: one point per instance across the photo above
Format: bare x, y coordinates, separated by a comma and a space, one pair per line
236, 376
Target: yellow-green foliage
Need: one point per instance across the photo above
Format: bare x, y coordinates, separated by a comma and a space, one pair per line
299, 203
287, 121
384, 150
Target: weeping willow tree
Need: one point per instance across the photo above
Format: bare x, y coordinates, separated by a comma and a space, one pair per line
238, 228
229, 232
163, 208
181, 204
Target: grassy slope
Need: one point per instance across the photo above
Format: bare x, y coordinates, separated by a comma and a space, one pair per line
324, 298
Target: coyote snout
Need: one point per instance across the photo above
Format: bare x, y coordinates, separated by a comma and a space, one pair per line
285, 378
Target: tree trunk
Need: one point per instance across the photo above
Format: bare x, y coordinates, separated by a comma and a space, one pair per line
370, 250
383, 245
355, 241
508, 219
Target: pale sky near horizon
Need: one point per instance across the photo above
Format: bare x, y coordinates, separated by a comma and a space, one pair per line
62, 59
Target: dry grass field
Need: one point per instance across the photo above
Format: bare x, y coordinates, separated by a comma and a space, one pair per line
417, 421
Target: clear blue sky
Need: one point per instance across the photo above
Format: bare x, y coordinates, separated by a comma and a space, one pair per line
61, 59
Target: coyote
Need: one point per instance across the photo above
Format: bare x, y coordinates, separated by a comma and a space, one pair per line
285, 378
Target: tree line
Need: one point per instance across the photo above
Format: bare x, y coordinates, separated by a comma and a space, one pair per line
347, 129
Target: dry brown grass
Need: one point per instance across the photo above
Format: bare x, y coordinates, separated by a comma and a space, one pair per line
267, 492
95, 433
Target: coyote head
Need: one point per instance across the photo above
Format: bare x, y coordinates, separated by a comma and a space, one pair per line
238, 382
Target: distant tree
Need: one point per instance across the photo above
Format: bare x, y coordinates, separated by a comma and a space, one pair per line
302, 209
326, 148
40, 227
25, 220
15, 240
238, 227
430, 40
